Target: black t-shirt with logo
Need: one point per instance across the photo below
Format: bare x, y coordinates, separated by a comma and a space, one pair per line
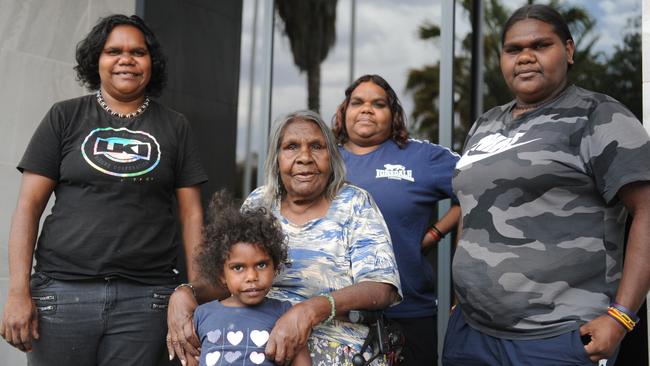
116, 182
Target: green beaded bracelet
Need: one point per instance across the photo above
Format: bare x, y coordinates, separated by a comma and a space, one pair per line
330, 299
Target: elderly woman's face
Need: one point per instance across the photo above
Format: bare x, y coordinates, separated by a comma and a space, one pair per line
125, 64
534, 60
304, 160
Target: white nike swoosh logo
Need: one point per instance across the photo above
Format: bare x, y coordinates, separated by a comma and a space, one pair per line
466, 160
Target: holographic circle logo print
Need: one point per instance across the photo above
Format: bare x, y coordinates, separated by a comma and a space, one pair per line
121, 152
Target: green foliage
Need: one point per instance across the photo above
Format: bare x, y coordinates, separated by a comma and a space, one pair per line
622, 76
618, 75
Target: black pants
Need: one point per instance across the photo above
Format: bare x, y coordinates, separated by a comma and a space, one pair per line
421, 348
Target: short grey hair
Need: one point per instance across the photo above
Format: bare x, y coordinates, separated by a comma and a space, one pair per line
274, 189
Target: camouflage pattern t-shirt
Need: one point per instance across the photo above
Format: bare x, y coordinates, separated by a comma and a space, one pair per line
542, 243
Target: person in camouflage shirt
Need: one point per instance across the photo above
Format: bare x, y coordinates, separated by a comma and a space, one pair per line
546, 183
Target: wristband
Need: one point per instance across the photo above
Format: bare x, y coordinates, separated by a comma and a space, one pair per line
188, 285
625, 311
622, 318
330, 299
440, 234
437, 234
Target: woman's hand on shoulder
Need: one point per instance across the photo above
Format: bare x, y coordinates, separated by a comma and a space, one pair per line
182, 341
20, 321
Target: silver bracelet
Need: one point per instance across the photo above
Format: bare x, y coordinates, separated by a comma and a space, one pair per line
188, 285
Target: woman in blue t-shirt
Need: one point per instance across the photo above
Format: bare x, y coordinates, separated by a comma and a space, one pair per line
406, 177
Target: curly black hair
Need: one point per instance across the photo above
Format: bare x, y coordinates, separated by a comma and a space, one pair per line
226, 226
90, 48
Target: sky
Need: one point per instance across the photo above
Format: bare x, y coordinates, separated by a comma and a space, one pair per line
387, 43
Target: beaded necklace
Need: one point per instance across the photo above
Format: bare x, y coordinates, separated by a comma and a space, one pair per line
108, 109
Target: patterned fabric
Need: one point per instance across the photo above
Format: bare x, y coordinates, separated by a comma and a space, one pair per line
236, 335
542, 243
350, 244
421, 173
328, 353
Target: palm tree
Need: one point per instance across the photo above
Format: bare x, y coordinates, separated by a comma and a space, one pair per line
423, 83
310, 27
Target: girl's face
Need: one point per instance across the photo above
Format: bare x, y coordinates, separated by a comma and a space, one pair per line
248, 273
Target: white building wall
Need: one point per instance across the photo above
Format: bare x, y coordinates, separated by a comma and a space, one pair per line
37, 45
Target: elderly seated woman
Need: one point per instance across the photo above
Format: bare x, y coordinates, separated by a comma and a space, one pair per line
340, 254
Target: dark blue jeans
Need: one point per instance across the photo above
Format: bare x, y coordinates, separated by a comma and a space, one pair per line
101, 322
465, 346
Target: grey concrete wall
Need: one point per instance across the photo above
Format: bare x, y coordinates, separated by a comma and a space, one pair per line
645, 78
645, 50
37, 44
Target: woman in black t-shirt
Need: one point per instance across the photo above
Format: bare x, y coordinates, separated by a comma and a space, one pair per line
106, 256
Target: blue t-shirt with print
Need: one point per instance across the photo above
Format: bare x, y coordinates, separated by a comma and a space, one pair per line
236, 335
406, 184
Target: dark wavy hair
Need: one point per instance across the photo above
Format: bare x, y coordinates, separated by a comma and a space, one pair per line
226, 226
399, 133
91, 47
